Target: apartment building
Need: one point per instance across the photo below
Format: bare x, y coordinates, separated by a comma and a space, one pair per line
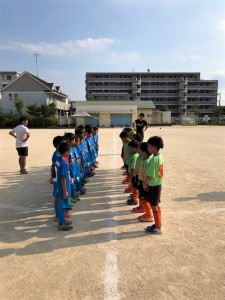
6, 77
181, 92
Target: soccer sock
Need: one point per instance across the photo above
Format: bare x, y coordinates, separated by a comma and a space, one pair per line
135, 195
157, 218
148, 209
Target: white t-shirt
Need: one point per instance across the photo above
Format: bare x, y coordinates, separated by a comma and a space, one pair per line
21, 133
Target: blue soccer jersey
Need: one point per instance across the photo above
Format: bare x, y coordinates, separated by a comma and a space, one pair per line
62, 170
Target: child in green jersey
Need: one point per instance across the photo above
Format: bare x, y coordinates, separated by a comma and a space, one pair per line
126, 154
133, 146
153, 182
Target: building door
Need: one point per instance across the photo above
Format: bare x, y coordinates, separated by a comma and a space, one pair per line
92, 121
121, 120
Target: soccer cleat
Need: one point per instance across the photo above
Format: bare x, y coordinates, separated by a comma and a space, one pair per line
153, 229
146, 219
128, 190
67, 222
132, 202
65, 227
138, 210
23, 171
125, 181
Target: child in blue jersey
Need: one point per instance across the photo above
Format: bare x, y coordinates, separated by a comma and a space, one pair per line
91, 148
56, 141
78, 161
96, 143
72, 163
81, 153
63, 185
87, 171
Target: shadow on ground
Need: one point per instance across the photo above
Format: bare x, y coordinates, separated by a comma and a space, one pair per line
27, 213
212, 196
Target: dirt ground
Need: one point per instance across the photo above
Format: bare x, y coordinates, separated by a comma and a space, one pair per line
108, 255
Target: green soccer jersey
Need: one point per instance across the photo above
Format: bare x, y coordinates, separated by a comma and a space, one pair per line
127, 153
155, 170
143, 167
138, 163
133, 160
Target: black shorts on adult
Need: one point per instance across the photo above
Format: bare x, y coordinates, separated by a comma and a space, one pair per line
23, 151
154, 193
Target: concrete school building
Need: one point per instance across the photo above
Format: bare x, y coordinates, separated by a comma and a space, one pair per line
179, 91
119, 113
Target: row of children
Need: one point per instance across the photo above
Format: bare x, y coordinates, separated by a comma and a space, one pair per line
74, 160
143, 166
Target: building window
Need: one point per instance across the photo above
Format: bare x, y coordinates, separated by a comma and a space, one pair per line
10, 97
15, 97
9, 77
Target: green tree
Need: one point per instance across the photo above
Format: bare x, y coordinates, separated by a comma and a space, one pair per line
34, 110
195, 110
19, 105
218, 112
48, 110
164, 108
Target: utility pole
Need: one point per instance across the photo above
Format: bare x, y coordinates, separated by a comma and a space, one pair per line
36, 56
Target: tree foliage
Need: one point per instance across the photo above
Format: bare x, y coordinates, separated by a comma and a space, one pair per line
43, 111
164, 108
19, 105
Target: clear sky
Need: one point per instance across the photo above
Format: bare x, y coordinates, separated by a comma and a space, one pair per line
73, 37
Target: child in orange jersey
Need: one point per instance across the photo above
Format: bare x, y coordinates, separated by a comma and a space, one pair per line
153, 182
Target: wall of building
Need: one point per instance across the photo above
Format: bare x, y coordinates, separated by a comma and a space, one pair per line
29, 98
104, 119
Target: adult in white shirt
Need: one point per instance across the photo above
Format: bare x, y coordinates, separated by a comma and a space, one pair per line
21, 134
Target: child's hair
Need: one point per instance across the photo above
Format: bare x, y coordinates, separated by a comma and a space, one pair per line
144, 147
141, 115
79, 130
88, 130
88, 127
123, 134
80, 127
77, 137
57, 140
95, 128
69, 135
63, 147
127, 129
156, 141
23, 119
133, 144
138, 137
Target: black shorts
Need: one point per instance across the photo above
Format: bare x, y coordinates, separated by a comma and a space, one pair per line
141, 134
134, 181
23, 151
154, 193
143, 193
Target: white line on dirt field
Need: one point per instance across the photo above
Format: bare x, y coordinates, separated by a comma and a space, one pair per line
111, 274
